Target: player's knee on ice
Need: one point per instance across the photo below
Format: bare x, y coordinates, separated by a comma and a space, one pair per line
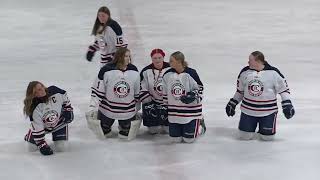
189, 140
105, 122
242, 135
128, 129
176, 139
124, 128
266, 137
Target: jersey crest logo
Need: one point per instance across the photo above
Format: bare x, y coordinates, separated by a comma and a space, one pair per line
121, 89
158, 87
51, 118
177, 90
255, 87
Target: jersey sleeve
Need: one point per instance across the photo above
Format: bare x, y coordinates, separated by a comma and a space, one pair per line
120, 41
238, 96
37, 126
66, 104
137, 93
281, 87
97, 93
94, 47
118, 37
199, 88
144, 85
165, 89
67, 108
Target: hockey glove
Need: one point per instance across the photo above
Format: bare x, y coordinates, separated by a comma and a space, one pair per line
67, 116
287, 109
90, 55
188, 98
45, 148
231, 107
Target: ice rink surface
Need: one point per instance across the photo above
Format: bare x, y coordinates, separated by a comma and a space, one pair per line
47, 41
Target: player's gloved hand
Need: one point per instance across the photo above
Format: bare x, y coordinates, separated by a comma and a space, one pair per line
287, 109
231, 107
45, 148
90, 54
67, 114
188, 98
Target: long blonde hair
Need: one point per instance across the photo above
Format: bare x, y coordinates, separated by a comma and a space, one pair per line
119, 57
97, 24
179, 56
30, 94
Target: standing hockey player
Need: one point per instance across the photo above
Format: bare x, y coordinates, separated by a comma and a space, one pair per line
155, 115
182, 93
257, 87
108, 37
49, 111
117, 90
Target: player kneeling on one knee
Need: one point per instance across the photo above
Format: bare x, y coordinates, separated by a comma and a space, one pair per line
182, 93
49, 111
257, 87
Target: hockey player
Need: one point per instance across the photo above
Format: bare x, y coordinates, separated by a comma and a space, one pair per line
115, 96
49, 111
182, 93
257, 87
155, 115
108, 37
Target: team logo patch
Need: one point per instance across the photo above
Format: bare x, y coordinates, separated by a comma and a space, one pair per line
158, 87
51, 118
121, 89
255, 87
177, 90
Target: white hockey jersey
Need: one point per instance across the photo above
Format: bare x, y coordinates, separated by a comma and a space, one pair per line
152, 83
258, 90
108, 42
176, 85
116, 91
47, 116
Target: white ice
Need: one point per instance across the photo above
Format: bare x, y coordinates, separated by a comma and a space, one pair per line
46, 40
